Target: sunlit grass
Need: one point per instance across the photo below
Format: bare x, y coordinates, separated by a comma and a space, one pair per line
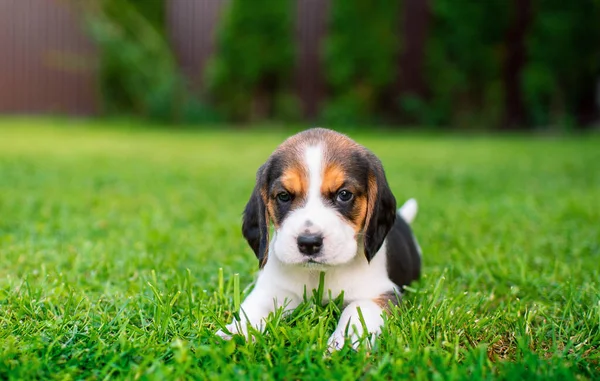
111, 241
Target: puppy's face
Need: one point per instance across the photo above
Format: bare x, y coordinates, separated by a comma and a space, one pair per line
326, 197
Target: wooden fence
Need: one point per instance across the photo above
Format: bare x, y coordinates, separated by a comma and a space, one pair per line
49, 65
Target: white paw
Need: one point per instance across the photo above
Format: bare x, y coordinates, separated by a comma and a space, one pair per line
235, 328
336, 342
356, 337
223, 335
241, 328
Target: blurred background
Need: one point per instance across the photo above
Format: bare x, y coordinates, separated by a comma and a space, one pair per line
461, 64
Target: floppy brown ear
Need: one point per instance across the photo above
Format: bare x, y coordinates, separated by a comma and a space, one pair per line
381, 209
255, 224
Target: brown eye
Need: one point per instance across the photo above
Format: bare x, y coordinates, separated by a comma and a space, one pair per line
344, 196
284, 197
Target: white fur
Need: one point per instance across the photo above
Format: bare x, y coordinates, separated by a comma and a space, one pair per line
282, 285
408, 211
350, 325
339, 244
287, 274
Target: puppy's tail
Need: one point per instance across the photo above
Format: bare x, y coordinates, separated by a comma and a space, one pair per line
408, 211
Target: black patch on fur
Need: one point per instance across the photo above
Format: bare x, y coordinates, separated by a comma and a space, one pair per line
278, 164
359, 167
384, 211
356, 167
403, 259
255, 226
282, 209
346, 209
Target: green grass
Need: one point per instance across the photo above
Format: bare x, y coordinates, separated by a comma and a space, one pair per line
111, 242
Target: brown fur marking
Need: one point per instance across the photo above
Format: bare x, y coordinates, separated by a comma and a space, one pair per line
337, 151
360, 207
371, 197
263, 195
387, 300
333, 179
295, 181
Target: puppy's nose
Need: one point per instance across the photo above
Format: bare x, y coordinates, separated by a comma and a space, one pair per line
310, 244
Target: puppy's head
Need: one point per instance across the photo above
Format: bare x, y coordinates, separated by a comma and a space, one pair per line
327, 198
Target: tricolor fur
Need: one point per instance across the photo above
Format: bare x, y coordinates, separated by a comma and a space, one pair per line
332, 210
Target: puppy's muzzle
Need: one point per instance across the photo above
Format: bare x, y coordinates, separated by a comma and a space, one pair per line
310, 244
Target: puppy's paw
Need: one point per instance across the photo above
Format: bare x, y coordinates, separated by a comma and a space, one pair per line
235, 328
356, 339
336, 341
223, 335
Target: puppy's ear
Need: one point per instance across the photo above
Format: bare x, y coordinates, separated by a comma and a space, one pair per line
381, 209
255, 224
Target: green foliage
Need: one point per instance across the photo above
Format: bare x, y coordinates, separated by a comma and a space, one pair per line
467, 52
464, 63
563, 61
111, 244
138, 72
361, 51
153, 11
251, 68
249, 77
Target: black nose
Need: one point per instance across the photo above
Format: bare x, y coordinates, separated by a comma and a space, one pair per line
310, 244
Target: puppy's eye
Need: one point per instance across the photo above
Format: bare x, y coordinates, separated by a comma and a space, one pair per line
344, 196
284, 197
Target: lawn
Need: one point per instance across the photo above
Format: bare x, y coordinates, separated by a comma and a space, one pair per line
112, 241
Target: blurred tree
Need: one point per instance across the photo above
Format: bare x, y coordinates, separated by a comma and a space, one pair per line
153, 11
361, 55
412, 84
249, 76
486, 64
515, 61
464, 61
138, 71
563, 68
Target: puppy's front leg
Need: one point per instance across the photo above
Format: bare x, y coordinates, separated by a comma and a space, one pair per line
263, 300
351, 326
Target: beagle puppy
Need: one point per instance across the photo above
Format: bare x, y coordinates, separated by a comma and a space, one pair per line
332, 211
